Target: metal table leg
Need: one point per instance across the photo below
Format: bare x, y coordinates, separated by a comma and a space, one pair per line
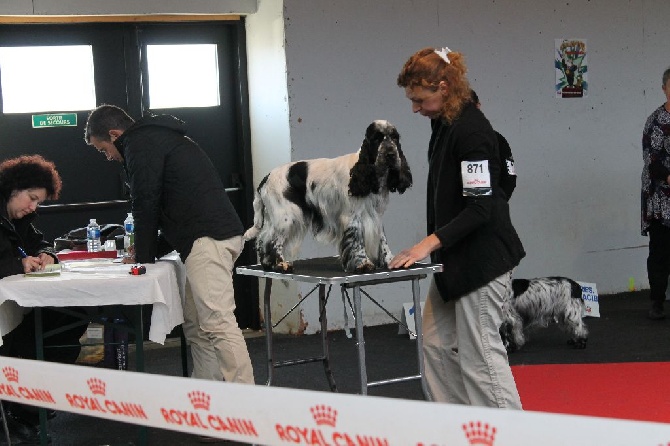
360, 341
139, 359
324, 358
184, 352
268, 332
418, 329
324, 338
139, 339
39, 355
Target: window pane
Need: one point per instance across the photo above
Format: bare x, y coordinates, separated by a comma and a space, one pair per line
183, 76
47, 78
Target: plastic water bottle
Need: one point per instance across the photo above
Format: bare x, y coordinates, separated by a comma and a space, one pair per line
129, 227
93, 236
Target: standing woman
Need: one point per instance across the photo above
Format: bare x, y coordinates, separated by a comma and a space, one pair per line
469, 232
25, 182
656, 199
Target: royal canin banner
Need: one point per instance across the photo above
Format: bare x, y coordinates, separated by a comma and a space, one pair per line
279, 416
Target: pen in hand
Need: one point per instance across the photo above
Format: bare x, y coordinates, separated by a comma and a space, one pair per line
31, 263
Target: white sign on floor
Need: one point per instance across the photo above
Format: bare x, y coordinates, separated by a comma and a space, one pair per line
590, 297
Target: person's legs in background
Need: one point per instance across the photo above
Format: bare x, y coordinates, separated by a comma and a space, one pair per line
218, 347
658, 267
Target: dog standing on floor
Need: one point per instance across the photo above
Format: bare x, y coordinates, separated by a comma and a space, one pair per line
539, 302
341, 200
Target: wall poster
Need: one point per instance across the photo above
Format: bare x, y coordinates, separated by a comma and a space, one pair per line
571, 68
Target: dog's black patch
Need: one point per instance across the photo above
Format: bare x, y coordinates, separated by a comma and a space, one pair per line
296, 192
297, 183
519, 286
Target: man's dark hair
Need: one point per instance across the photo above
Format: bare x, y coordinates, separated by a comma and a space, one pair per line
103, 119
29, 172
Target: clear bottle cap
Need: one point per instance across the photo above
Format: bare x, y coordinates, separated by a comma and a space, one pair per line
92, 220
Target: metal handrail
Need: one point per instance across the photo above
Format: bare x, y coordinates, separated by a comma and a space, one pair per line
49, 208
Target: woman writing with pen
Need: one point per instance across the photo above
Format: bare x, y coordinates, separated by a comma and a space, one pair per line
25, 182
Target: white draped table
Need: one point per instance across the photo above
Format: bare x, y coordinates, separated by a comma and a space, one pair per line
97, 283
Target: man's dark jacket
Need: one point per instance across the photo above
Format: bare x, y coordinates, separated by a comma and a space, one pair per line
478, 240
174, 187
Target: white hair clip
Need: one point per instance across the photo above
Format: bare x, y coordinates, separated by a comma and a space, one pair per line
443, 53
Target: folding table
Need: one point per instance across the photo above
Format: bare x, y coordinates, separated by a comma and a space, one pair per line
87, 284
328, 271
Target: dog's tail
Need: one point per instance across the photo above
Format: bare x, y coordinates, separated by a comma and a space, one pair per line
259, 211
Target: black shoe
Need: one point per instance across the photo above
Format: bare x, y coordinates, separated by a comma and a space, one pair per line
656, 314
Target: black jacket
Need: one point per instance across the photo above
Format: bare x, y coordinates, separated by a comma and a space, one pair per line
478, 240
174, 187
19, 233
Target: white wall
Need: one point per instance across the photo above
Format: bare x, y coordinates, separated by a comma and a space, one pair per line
576, 207
270, 134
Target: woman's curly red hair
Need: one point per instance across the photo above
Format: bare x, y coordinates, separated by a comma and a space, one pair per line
427, 69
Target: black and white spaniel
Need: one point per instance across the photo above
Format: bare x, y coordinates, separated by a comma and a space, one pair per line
539, 302
341, 200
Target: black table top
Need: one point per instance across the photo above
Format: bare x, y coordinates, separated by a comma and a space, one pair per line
328, 270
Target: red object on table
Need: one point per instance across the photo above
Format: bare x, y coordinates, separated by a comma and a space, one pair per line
80, 255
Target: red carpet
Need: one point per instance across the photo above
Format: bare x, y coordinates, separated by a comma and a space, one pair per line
631, 390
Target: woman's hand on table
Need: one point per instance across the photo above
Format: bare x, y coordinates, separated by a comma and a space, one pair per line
31, 264
46, 259
38, 263
416, 253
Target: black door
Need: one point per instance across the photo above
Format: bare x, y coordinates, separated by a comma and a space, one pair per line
94, 187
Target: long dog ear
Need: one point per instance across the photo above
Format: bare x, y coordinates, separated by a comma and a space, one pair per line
363, 179
400, 180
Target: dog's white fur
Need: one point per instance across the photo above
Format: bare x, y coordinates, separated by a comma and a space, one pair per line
341, 199
539, 302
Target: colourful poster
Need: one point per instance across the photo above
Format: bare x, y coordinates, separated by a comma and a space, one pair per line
571, 68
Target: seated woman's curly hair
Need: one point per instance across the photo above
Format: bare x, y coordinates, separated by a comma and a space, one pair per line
29, 172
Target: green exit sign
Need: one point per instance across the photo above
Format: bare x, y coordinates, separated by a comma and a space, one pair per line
55, 120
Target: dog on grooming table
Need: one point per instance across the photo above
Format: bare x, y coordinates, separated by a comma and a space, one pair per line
341, 200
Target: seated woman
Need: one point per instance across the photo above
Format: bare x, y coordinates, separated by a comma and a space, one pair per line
25, 182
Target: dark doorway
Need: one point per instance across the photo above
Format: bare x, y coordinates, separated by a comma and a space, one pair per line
94, 187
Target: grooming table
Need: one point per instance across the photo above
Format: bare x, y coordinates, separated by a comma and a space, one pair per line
328, 271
